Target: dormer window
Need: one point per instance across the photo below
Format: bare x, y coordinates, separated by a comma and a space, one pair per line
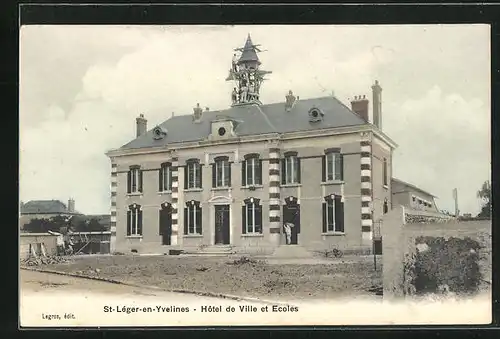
315, 115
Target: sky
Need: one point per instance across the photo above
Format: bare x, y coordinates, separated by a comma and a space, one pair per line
81, 88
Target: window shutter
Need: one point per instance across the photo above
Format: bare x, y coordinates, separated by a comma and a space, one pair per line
338, 167
186, 176
323, 168
185, 220
324, 218
214, 183
339, 214
139, 222
244, 173
298, 170
283, 171
129, 225
129, 182
258, 219
259, 172
243, 219
140, 181
198, 220
160, 179
160, 222
341, 166
228, 168
200, 176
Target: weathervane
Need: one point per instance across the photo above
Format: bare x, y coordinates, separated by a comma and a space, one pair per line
246, 74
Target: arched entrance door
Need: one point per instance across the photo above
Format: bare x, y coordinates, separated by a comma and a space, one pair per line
291, 214
166, 223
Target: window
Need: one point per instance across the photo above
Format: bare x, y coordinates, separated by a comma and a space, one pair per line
290, 169
192, 218
165, 178
251, 171
333, 166
221, 172
192, 174
384, 172
134, 220
386, 206
134, 180
251, 215
333, 214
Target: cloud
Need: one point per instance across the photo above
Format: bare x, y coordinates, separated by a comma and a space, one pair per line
83, 86
444, 142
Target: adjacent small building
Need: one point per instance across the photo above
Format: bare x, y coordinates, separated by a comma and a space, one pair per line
411, 196
45, 209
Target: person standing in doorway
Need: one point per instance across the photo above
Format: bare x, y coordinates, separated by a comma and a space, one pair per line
288, 232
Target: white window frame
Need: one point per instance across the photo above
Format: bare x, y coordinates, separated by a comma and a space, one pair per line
192, 208
221, 165
134, 221
134, 180
330, 162
330, 202
250, 210
166, 172
250, 167
193, 166
294, 177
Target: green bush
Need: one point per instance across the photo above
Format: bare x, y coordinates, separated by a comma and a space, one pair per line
445, 265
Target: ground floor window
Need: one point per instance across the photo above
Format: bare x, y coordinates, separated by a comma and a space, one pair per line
251, 216
333, 214
134, 220
192, 218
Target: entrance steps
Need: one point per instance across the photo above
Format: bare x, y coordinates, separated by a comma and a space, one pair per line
212, 250
291, 251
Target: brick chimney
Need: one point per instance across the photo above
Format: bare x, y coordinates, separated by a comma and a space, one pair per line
377, 105
360, 106
142, 125
71, 205
197, 113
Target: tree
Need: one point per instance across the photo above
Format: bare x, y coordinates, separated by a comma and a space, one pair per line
485, 195
86, 225
43, 225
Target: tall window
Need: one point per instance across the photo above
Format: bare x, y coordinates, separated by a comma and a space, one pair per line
333, 214
192, 218
134, 220
165, 178
290, 169
386, 206
251, 171
384, 171
192, 174
252, 216
134, 180
333, 166
221, 172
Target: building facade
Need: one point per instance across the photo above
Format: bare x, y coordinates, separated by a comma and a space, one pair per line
234, 177
409, 195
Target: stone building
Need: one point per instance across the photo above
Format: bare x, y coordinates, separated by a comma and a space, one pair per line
409, 195
45, 209
234, 177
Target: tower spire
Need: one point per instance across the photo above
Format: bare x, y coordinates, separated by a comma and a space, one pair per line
246, 74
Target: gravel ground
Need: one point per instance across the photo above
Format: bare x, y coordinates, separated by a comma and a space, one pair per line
254, 278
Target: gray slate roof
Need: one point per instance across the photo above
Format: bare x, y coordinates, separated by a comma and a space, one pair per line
253, 119
248, 53
45, 207
404, 183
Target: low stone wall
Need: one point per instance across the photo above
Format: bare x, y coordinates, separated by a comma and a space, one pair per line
403, 231
36, 239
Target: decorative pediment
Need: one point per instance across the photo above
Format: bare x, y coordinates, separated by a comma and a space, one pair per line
220, 199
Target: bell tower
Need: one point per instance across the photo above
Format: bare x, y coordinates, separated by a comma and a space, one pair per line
246, 74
